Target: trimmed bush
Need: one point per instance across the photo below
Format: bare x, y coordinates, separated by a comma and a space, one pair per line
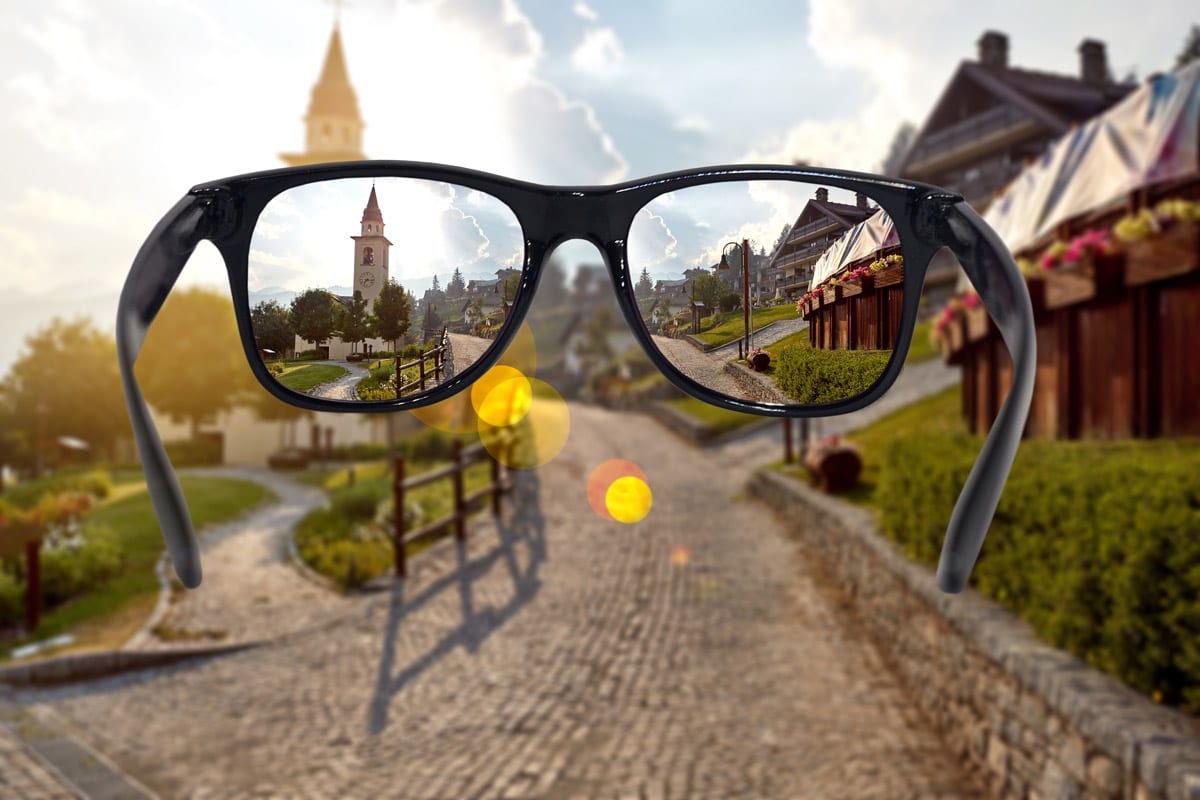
77, 566
811, 375
1093, 543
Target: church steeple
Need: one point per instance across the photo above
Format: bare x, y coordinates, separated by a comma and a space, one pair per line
334, 126
372, 218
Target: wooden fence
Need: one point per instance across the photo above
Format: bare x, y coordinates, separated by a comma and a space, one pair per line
863, 314
437, 355
1116, 340
464, 504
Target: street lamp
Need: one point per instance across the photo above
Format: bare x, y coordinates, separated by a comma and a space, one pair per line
745, 284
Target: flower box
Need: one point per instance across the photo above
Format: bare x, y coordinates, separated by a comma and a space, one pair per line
851, 289
832, 294
890, 276
956, 335
1093, 276
867, 282
1174, 252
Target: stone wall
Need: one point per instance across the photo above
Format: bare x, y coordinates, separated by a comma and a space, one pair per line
1038, 722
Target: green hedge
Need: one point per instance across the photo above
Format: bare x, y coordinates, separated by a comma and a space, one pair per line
194, 452
812, 375
1095, 544
345, 540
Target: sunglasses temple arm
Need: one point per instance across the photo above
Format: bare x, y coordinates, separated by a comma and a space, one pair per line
151, 277
1002, 289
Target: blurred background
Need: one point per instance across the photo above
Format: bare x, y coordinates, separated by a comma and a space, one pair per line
114, 110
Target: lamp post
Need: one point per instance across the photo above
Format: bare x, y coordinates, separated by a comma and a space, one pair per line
745, 285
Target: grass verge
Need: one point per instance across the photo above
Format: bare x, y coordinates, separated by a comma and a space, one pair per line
309, 377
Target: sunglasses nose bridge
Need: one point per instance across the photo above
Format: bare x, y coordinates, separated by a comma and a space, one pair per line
581, 215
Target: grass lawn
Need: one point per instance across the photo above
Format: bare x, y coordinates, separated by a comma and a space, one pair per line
306, 378
922, 347
732, 324
939, 413
109, 614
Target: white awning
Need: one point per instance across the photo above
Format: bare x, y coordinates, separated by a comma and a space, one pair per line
864, 240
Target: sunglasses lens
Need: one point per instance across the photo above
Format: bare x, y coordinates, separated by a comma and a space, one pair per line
373, 289
773, 291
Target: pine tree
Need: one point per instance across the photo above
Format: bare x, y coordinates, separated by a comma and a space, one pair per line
645, 286
457, 287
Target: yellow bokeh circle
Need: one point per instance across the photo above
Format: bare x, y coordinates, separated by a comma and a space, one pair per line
507, 402
628, 499
537, 437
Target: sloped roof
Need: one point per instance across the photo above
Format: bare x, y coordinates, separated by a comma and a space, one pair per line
333, 95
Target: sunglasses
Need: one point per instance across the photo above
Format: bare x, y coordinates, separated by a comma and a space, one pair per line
313, 266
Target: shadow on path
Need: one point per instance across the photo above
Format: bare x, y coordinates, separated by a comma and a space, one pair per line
525, 527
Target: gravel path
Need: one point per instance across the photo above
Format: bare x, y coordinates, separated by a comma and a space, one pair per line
344, 388
251, 591
557, 655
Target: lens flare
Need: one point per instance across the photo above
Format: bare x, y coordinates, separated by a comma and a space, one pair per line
497, 413
506, 403
538, 436
680, 556
603, 476
628, 499
521, 353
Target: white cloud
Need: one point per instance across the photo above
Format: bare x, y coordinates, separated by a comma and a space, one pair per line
584, 11
599, 54
693, 123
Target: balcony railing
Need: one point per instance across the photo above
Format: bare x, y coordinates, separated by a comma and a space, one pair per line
972, 129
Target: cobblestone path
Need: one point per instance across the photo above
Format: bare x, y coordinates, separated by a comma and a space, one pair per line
464, 351
705, 369
344, 388
564, 656
768, 335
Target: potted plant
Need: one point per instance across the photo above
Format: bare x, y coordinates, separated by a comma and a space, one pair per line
1089, 266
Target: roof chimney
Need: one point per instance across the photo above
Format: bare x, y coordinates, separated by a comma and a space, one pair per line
860, 200
993, 50
823, 195
1093, 62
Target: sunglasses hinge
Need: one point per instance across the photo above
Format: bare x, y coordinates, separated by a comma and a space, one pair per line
221, 212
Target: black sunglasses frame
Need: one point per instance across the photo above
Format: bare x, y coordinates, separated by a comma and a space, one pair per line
927, 219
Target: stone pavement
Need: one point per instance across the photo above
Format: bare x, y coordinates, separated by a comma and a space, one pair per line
557, 655
705, 369
768, 335
465, 350
24, 777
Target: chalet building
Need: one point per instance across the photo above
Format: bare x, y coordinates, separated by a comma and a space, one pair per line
992, 117
820, 224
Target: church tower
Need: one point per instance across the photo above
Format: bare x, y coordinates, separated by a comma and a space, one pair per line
371, 252
334, 127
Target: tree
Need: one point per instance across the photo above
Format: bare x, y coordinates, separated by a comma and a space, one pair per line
552, 286
457, 287
311, 316
645, 286
271, 328
899, 146
435, 286
432, 324
352, 322
65, 382
708, 289
393, 313
1191, 48
192, 366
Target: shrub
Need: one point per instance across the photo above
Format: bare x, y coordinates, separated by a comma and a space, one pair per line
95, 482
729, 301
78, 565
1093, 544
350, 564
320, 354
812, 375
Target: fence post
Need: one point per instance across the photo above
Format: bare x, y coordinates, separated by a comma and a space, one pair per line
787, 440
398, 515
421, 367
460, 512
398, 384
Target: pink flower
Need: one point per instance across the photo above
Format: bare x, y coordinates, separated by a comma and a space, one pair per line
971, 300
1075, 251
1047, 261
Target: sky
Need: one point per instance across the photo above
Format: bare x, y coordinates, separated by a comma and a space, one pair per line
113, 110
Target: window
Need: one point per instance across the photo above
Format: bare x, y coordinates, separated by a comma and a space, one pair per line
368, 255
